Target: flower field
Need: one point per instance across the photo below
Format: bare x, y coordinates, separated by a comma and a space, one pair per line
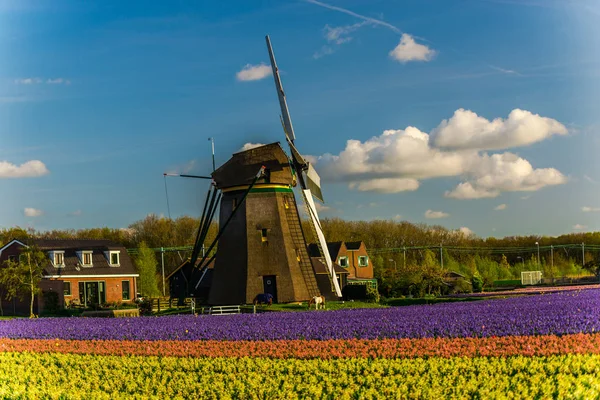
539, 346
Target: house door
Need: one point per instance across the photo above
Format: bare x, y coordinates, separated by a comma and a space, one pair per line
270, 286
93, 293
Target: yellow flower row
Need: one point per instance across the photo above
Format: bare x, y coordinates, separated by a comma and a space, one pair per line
71, 376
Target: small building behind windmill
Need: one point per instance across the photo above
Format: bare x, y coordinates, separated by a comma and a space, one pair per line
351, 257
184, 281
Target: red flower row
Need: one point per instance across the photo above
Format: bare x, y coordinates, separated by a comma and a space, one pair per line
580, 343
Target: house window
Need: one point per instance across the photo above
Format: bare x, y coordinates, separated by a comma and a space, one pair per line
263, 234
59, 259
13, 259
363, 261
343, 262
87, 258
67, 288
125, 290
114, 258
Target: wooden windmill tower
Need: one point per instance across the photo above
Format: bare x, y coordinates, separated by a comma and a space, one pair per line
264, 249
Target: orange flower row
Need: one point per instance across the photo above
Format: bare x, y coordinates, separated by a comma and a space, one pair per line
580, 343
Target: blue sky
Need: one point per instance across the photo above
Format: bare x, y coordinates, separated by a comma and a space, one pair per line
97, 101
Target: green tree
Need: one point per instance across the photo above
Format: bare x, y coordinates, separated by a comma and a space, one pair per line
145, 263
477, 282
22, 278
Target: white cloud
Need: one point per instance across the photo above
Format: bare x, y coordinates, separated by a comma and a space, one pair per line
466, 231
579, 227
254, 72
249, 146
397, 217
325, 51
590, 209
28, 81
409, 50
396, 160
58, 81
430, 214
500, 207
507, 172
386, 185
467, 130
29, 169
32, 212
336, 36
321, 207
75, 213
363, 17
341, 34
37, 81
526, 197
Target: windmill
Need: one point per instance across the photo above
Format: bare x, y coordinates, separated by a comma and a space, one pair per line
308, 178
261, 244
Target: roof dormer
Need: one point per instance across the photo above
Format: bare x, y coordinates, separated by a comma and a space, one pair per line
58, 258
113, 257
85, 258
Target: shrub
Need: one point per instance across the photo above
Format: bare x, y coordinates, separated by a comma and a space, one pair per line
51, 303
145, 307
477, 282
372, 295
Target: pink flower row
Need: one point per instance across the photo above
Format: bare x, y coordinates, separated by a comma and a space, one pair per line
546, 345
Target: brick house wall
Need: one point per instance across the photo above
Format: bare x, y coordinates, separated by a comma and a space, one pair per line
113, 289
353, 251
98, 278
347, 255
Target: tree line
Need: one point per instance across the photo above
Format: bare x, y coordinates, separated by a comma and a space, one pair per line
408, 258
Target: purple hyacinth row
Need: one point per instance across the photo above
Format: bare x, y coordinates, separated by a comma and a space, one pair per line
556, 313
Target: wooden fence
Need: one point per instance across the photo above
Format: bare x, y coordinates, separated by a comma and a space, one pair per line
165, 303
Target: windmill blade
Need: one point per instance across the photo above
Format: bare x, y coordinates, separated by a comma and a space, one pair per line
314, 217
296, 156
285, 113
313, 182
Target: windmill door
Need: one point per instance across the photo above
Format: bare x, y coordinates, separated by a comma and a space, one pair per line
270, 286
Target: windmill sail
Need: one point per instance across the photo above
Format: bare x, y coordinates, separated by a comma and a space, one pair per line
314, 217
313, 182
285, 114
311, 186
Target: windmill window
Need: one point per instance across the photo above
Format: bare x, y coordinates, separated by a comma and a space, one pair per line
233, 204
343, 262
363, 261
263, 234
286, 204
297, 254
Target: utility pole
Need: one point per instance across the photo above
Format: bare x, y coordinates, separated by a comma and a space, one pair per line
162, 260
552, 263
441, 256
212, 140
404, 251
582, 255
538, 253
